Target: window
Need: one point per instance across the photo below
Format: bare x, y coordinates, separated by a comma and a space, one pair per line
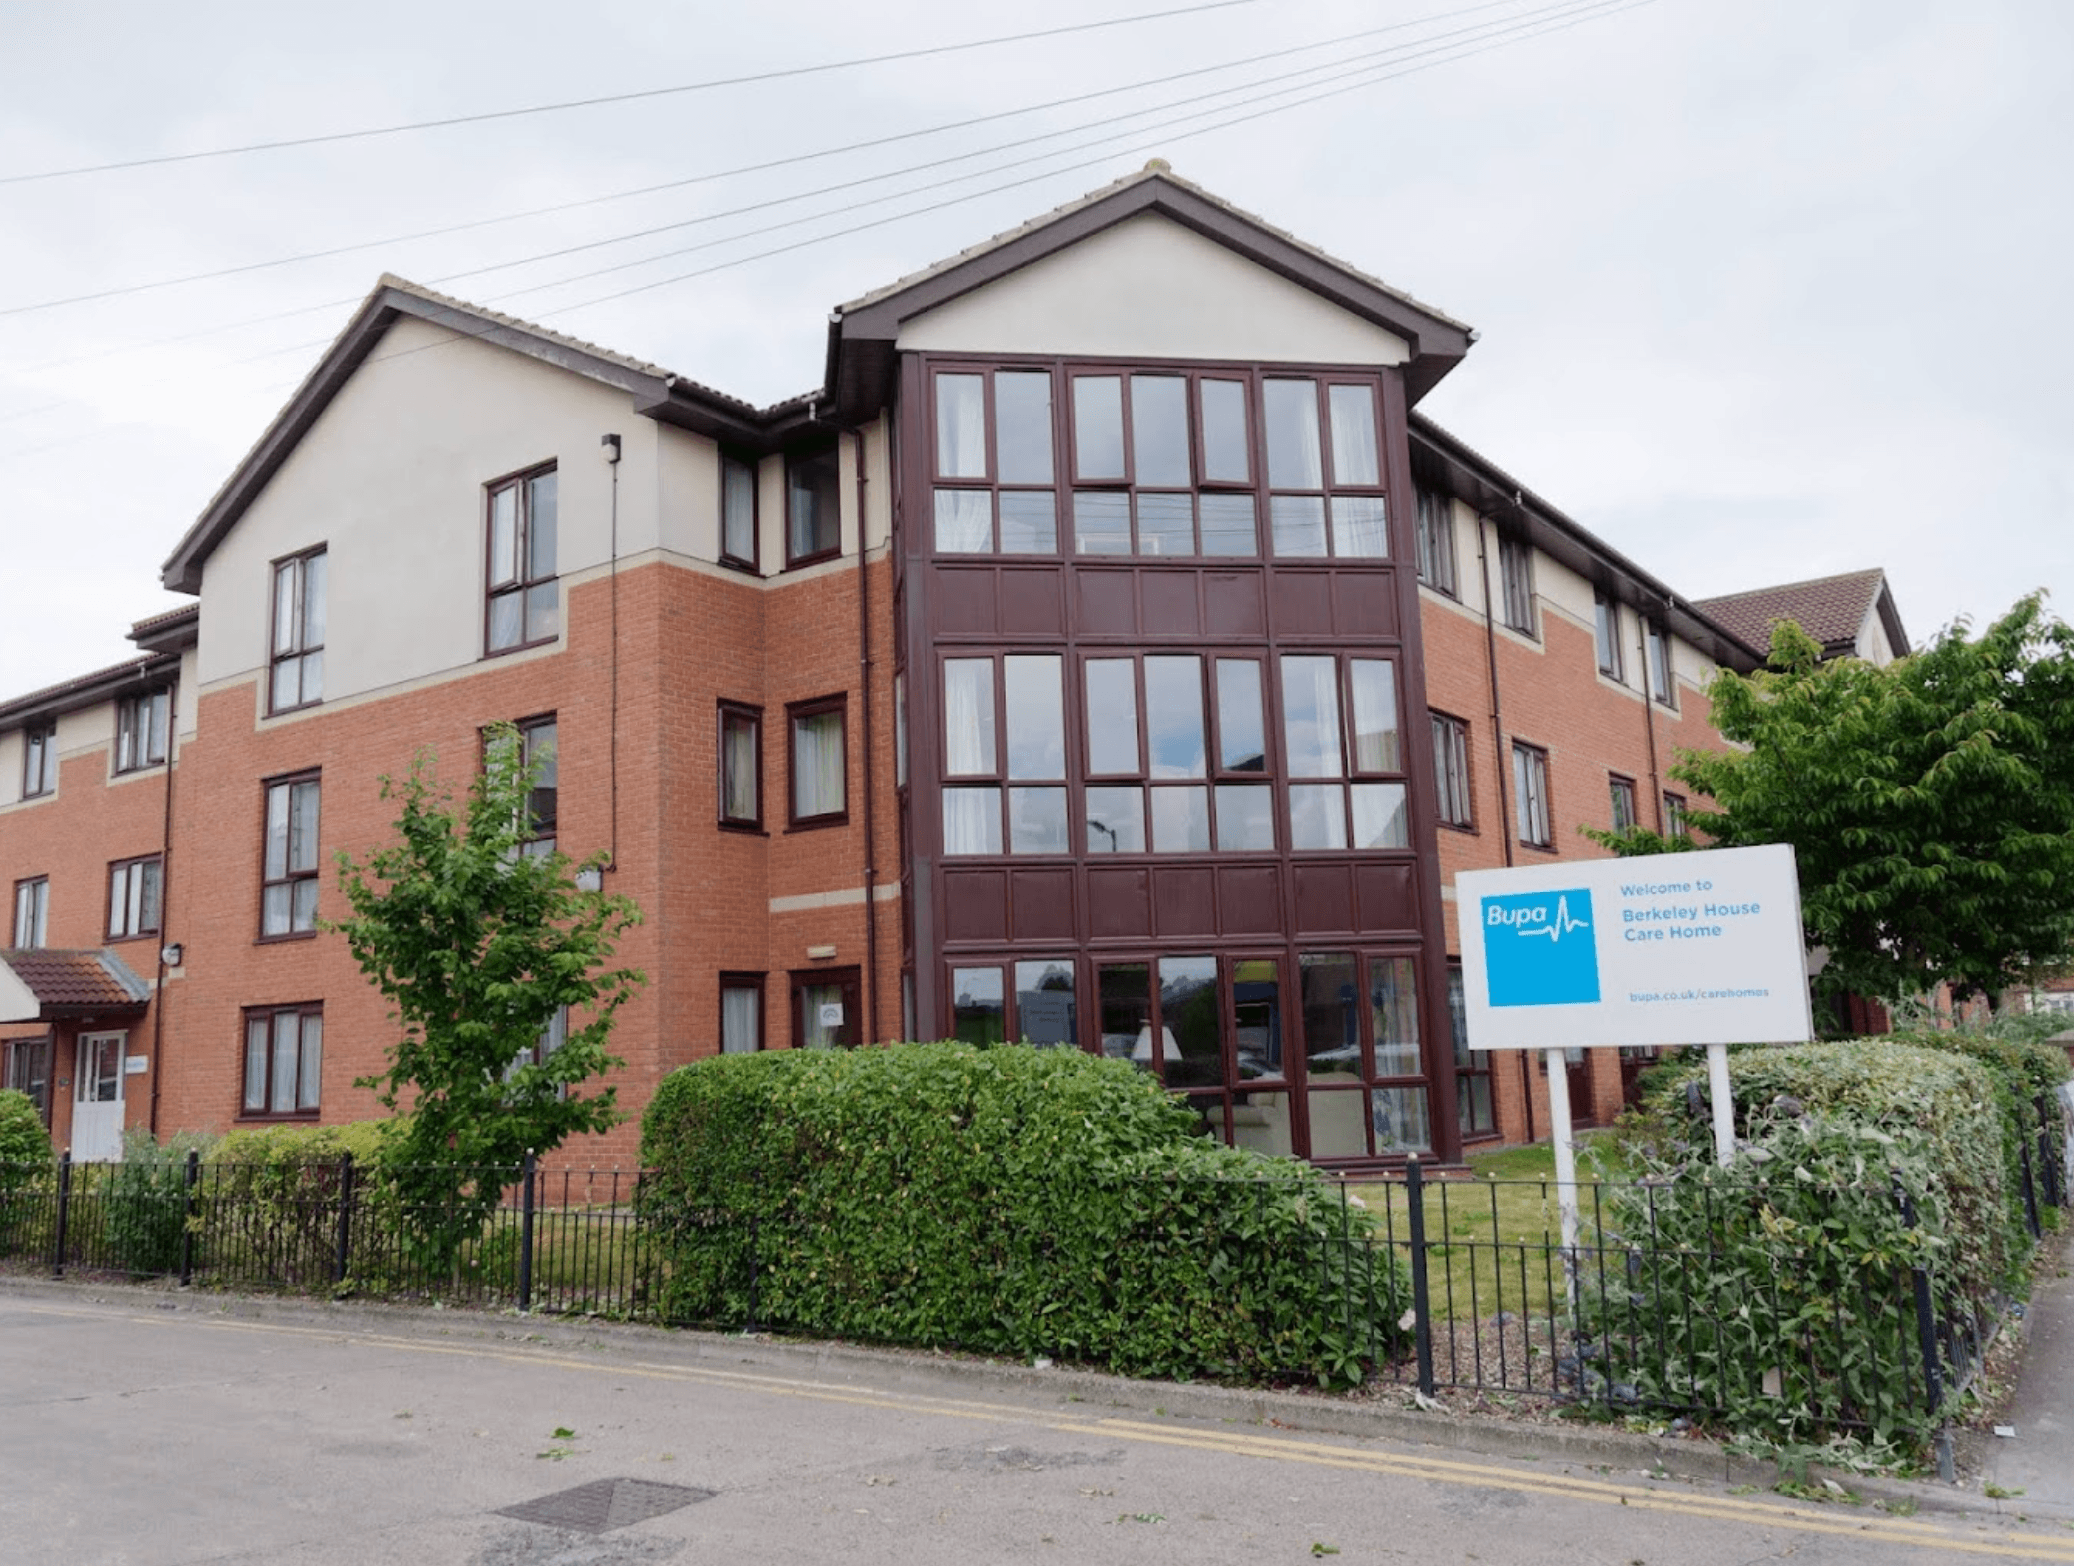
1026, 752
31, 913
141, 722
741, 1013
1436, 540
298, 677
1657, 647
819, 762
538, 749
1516, 581
288, 892
525, 604
1606, 637
542, 1049
284, 1060
826, 1012
1451, 771
1623, 792
741, 766
1044, 1012
28, 1071
1675, 822
813, 507
1530, 795
39, 761
135, 890
1319, 692
1473, 1110
738, 512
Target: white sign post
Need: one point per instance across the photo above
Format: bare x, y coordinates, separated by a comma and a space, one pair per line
1695, 948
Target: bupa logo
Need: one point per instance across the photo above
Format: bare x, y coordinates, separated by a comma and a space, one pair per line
1539, 950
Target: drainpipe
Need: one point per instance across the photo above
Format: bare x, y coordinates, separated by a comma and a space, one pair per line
611, 444
1490, 632
165, 903
871, 907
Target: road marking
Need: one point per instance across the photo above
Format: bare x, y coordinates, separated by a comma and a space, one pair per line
1288, 1449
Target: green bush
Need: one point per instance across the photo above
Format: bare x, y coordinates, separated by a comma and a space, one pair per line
24, 1144
143, 1200
270, 1200
1010, 1200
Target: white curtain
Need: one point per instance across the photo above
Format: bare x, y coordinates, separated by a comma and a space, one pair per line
1294, 460
1310, 701
741, 1022
971, 821
961, 426
968, 717
1375, 715
817, 744
964, 521
1353, 435
739, 766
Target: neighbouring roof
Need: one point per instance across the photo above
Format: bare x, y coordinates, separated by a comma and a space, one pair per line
128, 678
1831, 609
47, 985
862, 333
170, 631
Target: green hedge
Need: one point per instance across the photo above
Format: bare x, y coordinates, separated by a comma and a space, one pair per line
270, 1199
1007, 1200
24, 1144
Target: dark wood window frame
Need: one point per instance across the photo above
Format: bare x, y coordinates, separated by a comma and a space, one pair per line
795, 460
543, 800
292, 876
25, 1079
735, 982
39, 760
126, 881
1657, 668
298, 650
1676, 822
143, 734
1451, 772
1621, 789
751, 562
38, 888
794, 712
523, 584
1516, 585
269, 1016
1608, 648
1528, 761
1433, 525
1471, 1066
851, 982
733, 713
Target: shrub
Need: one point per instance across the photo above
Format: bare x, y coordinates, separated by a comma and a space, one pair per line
24, 1144
144, 1201
271, 1200
1014, 1200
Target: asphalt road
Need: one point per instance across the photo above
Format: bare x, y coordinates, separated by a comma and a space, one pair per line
148, 1429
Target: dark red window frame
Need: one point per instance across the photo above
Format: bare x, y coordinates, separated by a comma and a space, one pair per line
734, 713
794, 712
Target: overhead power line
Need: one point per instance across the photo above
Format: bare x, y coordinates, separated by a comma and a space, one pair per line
370, 132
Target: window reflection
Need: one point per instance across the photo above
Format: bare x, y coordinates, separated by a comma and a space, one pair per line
1098, 427
1116, 820
1194, 1055
1044, 1010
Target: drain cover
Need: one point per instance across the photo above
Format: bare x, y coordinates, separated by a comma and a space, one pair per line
604, 1504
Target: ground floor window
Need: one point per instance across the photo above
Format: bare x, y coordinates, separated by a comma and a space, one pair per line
741, 1013
827, 1012
28, 1071
1473, 1110
284, 1060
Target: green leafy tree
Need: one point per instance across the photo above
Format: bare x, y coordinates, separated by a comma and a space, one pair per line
483, 949
1930, 803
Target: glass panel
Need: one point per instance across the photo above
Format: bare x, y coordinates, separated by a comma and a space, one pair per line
1037, 821
1261, 1121
1166, 524
977, 1015
1228, 526
900, 730
287, 690
741, 1019
277, 831
1022, 424
146, 879
1029, 522
739, 782
964, 521
1098, 426
541, 526
504, 536
1310, 716
1101, 522
1174, 715
1227, 453
968, 717
1245, 817
315, 571
1112, 715
285, 576
1192, 1054
287, 1047
1317, 815
1293, 458
1159, 430
543, 611
304, 916
1256, 1016
1331, 1014
737, 509
972, 820
312, 676
1360, 527
160, 707
813, 510
506, 625
310, 1074
1036, 716
118, 902
1116, 821
1393, 998
817, 762
1400, 1120
816, 1031
302, 830
961, 426
256, 1030
1298, 524
1337, 1130
1473, 1102
1241, 730
273, 910
1374, 682
1379, 816
1180, 820
1124, 994
1353, 435
1044, 1011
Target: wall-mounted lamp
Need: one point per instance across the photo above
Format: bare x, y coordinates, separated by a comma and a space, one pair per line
611, 445
171, 953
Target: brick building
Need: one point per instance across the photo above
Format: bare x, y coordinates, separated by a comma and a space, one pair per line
1105, 655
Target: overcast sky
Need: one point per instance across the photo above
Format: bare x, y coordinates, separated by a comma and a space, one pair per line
1766, 289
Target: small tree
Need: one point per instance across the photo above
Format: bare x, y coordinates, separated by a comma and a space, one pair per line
483, 947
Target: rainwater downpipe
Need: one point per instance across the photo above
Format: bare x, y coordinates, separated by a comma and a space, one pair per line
165, 883
871, 907
1656, 787
1490, 632
611, 443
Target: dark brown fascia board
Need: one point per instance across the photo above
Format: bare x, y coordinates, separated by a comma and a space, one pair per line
139, 674
1437, 345
1445, 462
173, 631
1890, 618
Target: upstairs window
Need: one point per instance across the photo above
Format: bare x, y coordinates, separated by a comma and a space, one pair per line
1606, 637
288, 888
1657, 646
538, 747
1319, 693
31, 913
741, 766
738, 512
135, 892
1436, 541
813, 507
820, 761
298, 633
141, 724
1675, 822
525, 597
1516, 580
40, 761
1530, 795
1451, 771
1623, 800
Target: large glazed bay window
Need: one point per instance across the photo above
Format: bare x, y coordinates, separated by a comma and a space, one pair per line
1036, 461
525, 596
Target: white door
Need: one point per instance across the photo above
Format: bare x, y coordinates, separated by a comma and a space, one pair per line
97, 1098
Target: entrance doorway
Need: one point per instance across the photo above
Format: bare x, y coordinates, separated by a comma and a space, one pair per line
97, 1098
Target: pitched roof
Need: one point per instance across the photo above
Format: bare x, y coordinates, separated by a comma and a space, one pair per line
1831, 609
44, 984
119, 679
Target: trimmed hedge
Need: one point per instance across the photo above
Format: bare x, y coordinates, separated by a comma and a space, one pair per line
1010, 1200
24, 1144
272, 1196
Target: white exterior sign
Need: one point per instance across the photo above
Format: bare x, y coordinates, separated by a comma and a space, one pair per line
1695, 948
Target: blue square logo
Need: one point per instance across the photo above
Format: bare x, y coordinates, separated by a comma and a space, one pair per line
1539, 949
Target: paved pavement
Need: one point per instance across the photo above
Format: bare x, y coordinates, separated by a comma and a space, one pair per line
2037, 1464
141, 1427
